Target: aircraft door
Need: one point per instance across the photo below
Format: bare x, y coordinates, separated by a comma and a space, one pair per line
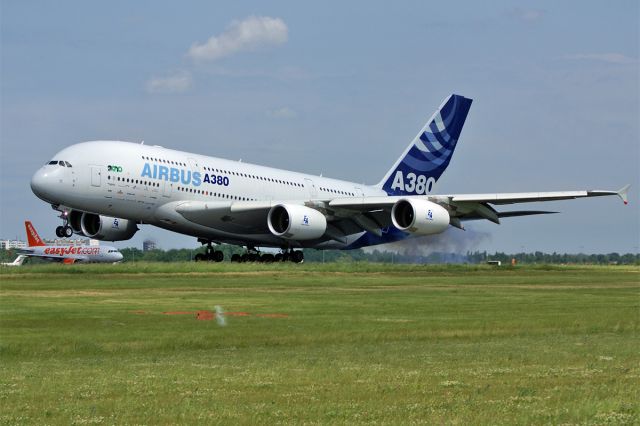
193, 164
96, 176
168, 189
313, 192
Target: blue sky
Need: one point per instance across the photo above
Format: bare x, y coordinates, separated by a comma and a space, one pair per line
339, 89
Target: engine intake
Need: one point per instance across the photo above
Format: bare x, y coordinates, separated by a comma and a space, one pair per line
107, 228
419, 216
295, 222
75, 221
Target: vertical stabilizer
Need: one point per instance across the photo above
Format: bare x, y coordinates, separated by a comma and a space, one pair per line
423, 162
32, 236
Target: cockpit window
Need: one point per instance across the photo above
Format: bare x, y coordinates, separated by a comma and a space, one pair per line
53, 162
67, 163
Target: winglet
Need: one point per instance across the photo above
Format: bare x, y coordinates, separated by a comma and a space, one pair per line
623, 193
33, 238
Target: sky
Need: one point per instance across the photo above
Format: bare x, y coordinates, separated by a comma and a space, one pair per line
339, 89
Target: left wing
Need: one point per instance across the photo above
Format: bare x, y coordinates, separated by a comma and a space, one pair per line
53, 257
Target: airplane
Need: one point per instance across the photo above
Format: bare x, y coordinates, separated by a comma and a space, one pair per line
67, 254
104, 189
18, 262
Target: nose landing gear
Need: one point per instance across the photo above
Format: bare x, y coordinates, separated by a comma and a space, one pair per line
64, 231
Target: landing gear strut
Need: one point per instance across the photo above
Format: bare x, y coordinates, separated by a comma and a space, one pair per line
210, 255
64, 231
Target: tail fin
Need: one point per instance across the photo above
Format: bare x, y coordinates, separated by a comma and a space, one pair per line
32, 236
428, 155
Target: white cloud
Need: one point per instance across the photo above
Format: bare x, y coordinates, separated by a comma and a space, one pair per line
250, 34
612, 58
178, 82
283, 113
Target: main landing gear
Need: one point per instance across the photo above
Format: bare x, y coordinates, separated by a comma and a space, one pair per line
210, 255
253, 255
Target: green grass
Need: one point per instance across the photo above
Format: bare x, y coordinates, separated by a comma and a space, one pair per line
362, 343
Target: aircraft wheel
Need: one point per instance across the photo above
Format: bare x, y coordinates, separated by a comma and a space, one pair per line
60, 231
218, 256
244, 258
297, 256
267, 258
199, 257
278, 257
235, 257
68, 232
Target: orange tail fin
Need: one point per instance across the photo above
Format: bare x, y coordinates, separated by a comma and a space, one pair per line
32, 236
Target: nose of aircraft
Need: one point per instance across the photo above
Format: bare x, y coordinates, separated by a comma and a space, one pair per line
40, 184
119, 256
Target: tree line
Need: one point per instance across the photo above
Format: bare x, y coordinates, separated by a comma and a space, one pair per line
377, 256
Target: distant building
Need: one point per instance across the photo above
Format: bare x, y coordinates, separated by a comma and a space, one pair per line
12, 244
148, 245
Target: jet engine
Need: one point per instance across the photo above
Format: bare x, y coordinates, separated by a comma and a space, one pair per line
295, 222
419, 217
75, 221
107, 228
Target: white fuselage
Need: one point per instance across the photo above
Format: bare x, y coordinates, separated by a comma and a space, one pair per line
77, 253
145, 184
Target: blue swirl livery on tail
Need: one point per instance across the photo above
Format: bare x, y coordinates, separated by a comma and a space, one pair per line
428, 155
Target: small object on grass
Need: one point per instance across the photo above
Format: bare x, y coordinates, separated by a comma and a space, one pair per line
220, 319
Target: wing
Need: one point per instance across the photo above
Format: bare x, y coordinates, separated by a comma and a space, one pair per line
241, 217
464, 207
43, 256
351, 215
50, 257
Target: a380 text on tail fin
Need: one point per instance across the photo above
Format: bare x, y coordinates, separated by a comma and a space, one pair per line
428, 155
32, 236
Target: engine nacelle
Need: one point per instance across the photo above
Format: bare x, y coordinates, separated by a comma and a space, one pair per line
419, 217
295, 222
75, 221
107, 228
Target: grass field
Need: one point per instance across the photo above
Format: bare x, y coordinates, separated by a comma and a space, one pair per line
342, 344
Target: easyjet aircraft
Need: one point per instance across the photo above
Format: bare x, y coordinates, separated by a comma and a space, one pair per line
66, 253
104, 189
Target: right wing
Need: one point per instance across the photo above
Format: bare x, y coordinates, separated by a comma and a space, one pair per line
351, 215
